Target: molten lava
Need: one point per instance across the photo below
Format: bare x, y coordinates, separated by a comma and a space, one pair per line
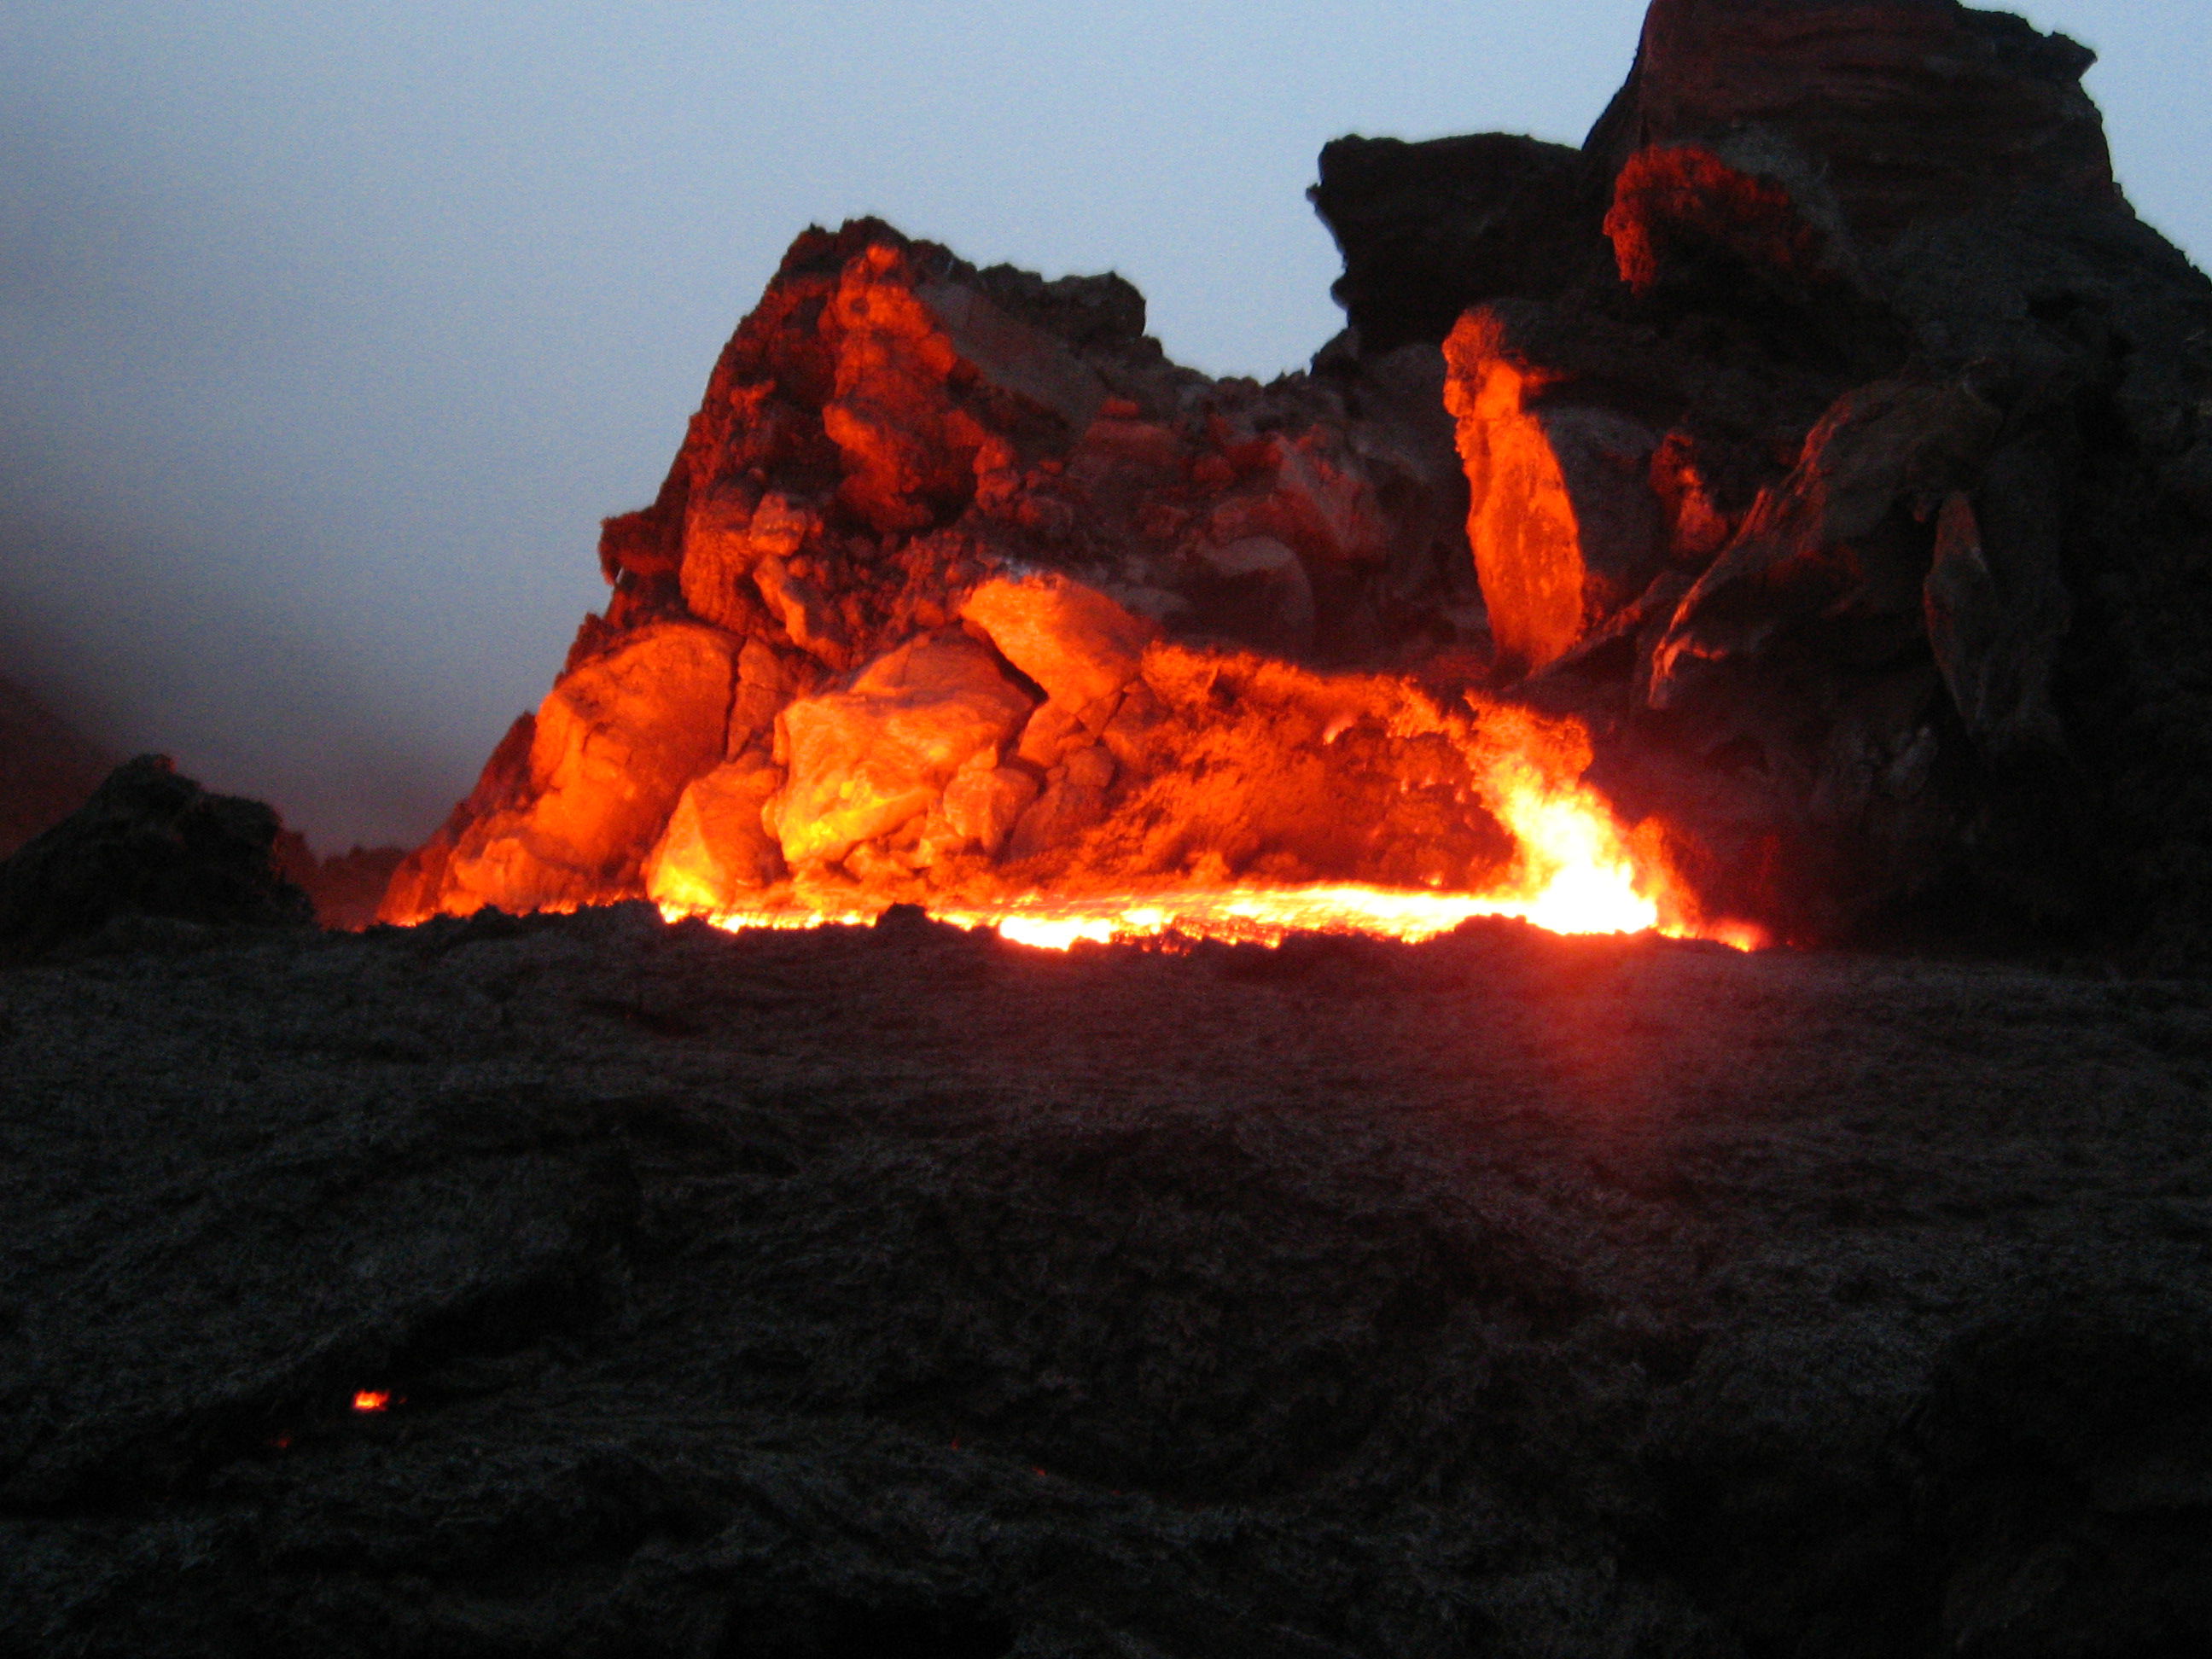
1576, 871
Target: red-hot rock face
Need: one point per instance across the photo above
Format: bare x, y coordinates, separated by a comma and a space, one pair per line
959, 595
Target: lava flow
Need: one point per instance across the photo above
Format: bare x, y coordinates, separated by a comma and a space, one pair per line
1577, 873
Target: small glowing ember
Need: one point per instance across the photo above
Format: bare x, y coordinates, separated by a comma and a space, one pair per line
372, 1400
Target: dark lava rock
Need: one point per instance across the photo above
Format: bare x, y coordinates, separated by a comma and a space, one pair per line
148, 844
898, 1291
1874, 308
1907, 108
1429, 229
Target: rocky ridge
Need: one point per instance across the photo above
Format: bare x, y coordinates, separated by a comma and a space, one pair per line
149, 845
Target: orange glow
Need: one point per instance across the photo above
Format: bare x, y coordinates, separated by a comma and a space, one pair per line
372, 1400
1577, 872
858, 656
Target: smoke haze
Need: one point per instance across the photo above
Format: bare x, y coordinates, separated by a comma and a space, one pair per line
327, 336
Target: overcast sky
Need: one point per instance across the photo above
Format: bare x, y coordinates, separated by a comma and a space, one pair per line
328, 332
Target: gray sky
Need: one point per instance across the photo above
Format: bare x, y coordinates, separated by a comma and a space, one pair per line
328, 332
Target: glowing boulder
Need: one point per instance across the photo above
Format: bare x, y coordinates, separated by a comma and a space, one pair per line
869, 758
615, 743
716, 852
728, 535
1073, 641
983, 804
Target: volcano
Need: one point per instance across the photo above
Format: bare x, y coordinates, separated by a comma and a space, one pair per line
1783, 517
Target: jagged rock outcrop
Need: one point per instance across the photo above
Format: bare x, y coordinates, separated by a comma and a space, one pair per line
1825, 437
149, 844
1429, 229
1913, 630
956, 576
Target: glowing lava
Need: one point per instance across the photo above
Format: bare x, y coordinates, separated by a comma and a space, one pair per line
1578, 872
372, 1400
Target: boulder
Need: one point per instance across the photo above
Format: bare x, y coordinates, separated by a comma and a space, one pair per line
1074, 641
809, 620
1074, 798
983, 803
869, 757
1843, 541
1747, 208
1911, 108
150, 843
611, 751
716, 852
1428, 230
1053, 731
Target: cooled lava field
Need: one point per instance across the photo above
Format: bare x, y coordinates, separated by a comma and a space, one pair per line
590, 1285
